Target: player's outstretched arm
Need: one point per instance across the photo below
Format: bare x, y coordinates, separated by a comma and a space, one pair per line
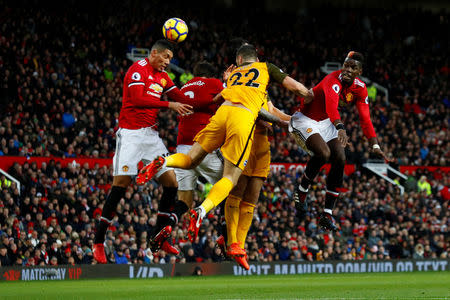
275, 111
297, 88
268, 117
376, 149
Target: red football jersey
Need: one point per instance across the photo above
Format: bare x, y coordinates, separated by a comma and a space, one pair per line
142, 90
330, 92
198, 88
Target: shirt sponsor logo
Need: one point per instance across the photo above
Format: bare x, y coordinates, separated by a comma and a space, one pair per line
156, 87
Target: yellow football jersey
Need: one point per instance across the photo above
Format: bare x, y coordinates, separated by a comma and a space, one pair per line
247, 84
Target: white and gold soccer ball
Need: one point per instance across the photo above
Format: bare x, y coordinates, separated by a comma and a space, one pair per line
175, 30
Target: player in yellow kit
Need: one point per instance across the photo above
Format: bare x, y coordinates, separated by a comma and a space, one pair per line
231, 129
242, 200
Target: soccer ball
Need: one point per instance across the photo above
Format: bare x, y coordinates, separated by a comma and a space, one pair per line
175, 30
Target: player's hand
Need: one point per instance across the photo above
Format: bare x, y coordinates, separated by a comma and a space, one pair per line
283, 124
308, 99
343, 138
180, 108
379, 153
227, 72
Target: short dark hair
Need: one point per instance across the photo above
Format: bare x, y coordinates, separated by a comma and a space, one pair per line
356, 56
162, 45
204, 69
247, 51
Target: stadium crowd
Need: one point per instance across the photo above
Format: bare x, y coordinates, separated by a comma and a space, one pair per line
60, 95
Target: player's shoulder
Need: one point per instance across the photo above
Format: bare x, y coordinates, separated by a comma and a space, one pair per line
358, 83
138, 66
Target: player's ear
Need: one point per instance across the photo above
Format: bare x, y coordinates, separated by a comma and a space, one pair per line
153, 52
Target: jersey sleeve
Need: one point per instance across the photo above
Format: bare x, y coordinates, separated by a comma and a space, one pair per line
362, 104
135, 76
275, 73
331, 89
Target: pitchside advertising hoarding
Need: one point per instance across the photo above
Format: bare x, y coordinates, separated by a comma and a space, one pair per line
226, 268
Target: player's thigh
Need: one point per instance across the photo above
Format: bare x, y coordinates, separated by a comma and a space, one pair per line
337, 151
213, 135
152, 146
316, 144
253, 189
239, 137
121, 180
302, 128
259, 160
168, 179
128, 152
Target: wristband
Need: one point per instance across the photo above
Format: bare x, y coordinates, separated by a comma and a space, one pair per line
340, 126
376, 146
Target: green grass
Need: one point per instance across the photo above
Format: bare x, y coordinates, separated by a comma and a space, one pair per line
367, 286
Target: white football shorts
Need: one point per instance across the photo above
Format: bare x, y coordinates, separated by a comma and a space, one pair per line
134, 145
302, 127
211, 168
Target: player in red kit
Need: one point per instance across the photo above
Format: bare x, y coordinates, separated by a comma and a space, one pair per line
202, 86
319, 127
137, 139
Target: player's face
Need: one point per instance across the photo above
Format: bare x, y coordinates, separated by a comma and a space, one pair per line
350, 70
161, 59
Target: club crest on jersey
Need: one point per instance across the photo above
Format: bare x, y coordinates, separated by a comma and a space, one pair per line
125, 168
163, 82
156, 87
349, 97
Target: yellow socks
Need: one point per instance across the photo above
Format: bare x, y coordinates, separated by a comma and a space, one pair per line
245, 221
179, 160
218, 193
232, 218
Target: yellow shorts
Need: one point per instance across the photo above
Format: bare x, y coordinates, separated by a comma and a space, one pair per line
259, 161
231, 128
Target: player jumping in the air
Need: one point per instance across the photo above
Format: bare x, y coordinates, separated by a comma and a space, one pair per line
231, 128
319, 127
137, 139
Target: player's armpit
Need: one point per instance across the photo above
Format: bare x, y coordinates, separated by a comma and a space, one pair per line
218, 99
